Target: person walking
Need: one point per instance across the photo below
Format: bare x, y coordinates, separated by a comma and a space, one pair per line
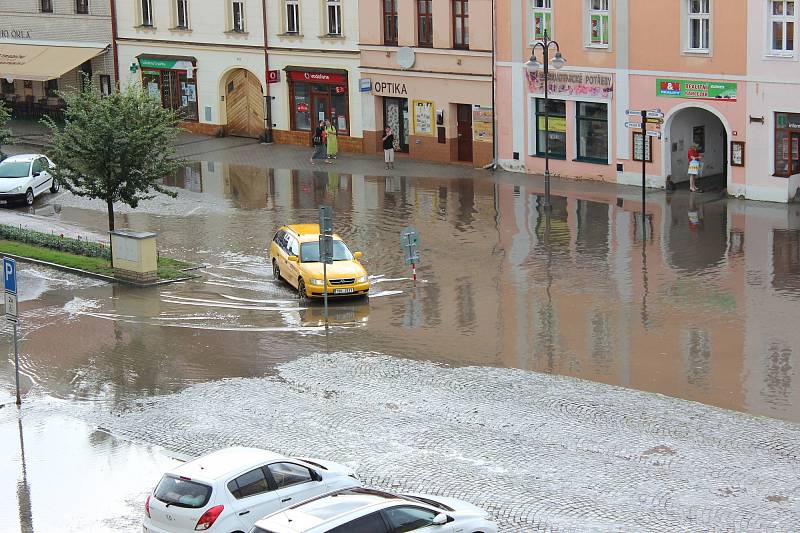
319, 144
332, 142
388, 147
694, 166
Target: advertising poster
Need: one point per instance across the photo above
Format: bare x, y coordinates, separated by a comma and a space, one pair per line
694, 89
423, 117
482, 118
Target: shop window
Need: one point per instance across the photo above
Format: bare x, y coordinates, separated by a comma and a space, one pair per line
47, 6
147, 12
8, 87
325, 100
390, 22
542, 19
461, 24
51, 88
781, 27
556, 129
175, 89
237, 22
598, 23
292, 16
424, 23
182, 14
334, 8
787, 144
105, 85
82, 7
592, 131
699, 25
86, 71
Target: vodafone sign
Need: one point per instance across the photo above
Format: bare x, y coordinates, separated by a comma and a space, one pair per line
317, 77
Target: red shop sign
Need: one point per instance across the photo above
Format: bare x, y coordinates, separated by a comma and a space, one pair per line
316, 77
302, 107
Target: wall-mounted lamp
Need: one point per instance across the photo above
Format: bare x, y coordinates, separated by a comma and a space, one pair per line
760, 120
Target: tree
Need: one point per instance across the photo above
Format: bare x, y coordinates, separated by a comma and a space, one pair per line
114, 148
5, 133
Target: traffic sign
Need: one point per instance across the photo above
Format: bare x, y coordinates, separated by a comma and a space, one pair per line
326, 249
633, 113
654, 120
409, 240
633, 124
325, 220
655, 113
12, 312
10, 275
653, 133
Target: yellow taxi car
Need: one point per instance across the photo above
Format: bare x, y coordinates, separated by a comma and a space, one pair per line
294, 254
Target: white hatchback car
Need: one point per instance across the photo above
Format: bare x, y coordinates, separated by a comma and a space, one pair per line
228, 490
24, 177
363, 510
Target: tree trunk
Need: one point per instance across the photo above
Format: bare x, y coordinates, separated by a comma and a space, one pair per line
110, 205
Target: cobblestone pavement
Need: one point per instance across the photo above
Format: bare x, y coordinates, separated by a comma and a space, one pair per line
542, 453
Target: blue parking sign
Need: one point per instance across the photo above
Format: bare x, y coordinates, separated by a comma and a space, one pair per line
10, 275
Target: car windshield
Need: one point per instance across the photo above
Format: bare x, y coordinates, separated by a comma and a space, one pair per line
15, 169
182, 492
309, 252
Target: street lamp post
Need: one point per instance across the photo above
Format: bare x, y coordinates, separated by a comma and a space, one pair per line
532, 65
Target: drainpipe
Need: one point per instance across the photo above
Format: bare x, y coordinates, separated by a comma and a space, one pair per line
268, 114
494, 85
114, 53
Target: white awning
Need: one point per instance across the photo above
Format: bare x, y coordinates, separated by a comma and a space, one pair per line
42, 62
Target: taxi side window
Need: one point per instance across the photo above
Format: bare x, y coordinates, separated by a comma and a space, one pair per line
294, 247
280, 239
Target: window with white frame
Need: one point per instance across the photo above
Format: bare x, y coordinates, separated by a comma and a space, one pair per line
598, 23
238, 16
147, 12
292, 16
699, 25
781, 26
334, 8
182, 14
542, 19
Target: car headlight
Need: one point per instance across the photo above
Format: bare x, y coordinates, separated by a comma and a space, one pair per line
18, 189
315, 281
362, 279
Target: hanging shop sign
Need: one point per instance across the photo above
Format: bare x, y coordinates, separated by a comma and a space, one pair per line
317, 77
694, 89
576, 84
424, 117
165, 63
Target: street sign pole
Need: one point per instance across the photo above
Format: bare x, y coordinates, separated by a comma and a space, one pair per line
12, 313
409, 240
16, 363
325, 250
644, 165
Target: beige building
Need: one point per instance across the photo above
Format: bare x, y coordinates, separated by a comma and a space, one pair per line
426, 70
49, 45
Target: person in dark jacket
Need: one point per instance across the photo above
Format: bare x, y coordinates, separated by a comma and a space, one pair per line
388, 147
319, 144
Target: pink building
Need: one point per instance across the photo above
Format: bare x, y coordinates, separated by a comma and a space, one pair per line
686, 58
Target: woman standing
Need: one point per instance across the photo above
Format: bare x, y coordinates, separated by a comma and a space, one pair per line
319, 144
332, 141
388, 147
694, 166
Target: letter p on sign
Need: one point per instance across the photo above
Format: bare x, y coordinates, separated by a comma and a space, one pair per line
10, 275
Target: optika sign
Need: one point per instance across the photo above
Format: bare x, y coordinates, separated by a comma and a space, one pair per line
382, 87
15, 34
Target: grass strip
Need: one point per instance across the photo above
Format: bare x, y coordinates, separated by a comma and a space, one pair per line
168, 269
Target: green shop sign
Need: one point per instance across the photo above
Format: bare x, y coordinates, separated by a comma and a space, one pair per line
694, 89
171, 64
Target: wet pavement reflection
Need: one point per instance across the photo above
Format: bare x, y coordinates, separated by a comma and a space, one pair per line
694, 299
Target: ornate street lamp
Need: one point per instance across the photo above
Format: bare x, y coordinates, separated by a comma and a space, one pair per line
532, 65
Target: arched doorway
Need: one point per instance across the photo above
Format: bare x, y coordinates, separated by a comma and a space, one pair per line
697, 126
244, 104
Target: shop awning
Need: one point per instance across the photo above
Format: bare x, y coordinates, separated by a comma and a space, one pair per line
42, 62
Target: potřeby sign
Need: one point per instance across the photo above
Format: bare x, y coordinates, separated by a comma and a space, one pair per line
695, 89
572, 83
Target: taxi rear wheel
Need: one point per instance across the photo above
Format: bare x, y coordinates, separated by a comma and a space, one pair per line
276, 270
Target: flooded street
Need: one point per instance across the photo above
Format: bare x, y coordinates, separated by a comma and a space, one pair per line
694, 301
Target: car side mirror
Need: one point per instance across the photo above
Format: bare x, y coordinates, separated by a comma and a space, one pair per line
292, 258
440, 519
358, 255
36, 174
316, 475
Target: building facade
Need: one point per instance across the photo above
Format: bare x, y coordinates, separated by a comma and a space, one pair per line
52, 45
711, 68
204, 59
426, 70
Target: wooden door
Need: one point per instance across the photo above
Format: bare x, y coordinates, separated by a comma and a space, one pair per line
464, 114
244, 105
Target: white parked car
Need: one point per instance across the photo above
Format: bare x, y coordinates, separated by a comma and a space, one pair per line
228, 490
24, 177
364, 510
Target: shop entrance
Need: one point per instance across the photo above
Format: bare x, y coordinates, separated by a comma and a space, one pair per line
696, 126
244, 104
321, 102
464, 117
395, 116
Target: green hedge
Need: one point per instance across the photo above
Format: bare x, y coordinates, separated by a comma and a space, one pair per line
55, 242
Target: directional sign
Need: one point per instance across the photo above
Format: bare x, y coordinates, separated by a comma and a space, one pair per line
633, 124
655, 113
10, 275
409, 240
652, 120
653, 133
12, 312
633, 113
325, 220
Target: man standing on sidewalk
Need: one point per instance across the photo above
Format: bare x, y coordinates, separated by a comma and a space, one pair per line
388, 147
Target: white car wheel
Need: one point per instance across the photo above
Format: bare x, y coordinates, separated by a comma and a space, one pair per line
29, 197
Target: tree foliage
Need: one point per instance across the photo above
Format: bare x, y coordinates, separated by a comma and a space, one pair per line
5, 133
114, 148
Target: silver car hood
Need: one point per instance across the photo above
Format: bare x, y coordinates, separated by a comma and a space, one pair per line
8, 184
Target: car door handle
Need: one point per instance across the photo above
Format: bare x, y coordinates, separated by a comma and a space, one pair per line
285, 500
243, 513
